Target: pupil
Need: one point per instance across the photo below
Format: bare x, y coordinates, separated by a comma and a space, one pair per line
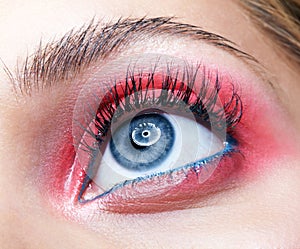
145, 133
144, 142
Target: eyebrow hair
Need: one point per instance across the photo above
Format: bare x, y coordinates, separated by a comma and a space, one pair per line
75, 51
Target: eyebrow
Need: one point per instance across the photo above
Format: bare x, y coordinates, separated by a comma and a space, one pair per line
75, 51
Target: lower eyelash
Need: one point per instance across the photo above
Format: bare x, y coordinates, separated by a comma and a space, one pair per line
175, 87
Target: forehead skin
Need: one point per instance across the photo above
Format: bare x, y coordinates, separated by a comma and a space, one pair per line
26, 223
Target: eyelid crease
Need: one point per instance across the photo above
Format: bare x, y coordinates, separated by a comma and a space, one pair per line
76, 50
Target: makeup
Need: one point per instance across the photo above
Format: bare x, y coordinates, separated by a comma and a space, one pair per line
210, 98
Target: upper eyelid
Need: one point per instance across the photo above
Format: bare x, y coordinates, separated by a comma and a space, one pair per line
74, 52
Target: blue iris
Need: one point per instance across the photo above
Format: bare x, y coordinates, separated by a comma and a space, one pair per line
144, 142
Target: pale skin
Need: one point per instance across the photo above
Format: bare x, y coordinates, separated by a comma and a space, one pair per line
261, 213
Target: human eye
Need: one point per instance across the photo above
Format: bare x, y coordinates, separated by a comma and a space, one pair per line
157, 128
145, 132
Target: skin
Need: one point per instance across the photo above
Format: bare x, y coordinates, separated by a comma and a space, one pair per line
263, 212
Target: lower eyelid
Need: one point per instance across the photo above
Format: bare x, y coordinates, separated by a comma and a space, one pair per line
171, 193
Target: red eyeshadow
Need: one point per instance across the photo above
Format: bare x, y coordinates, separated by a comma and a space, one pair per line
257, 144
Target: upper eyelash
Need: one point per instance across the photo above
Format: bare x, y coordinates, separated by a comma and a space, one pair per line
232, 109
203, 107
